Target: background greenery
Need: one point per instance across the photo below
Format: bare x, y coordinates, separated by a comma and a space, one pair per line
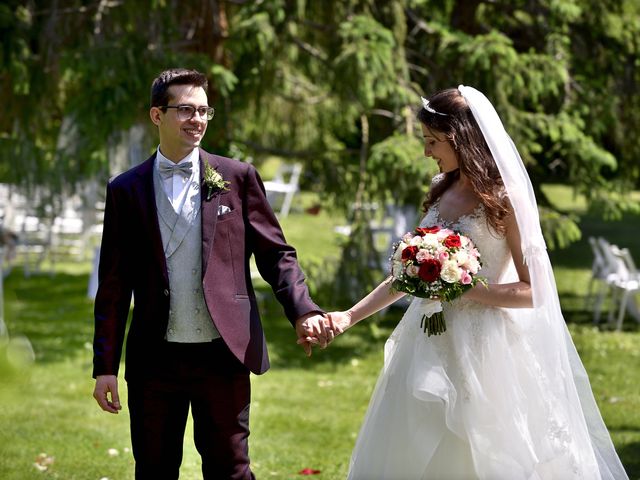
332, 84
305, 412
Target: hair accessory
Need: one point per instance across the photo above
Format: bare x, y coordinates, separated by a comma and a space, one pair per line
430, 109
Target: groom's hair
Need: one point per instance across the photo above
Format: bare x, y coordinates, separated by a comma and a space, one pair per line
174, 76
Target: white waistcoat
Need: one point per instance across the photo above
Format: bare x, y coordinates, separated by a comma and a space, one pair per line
189, 319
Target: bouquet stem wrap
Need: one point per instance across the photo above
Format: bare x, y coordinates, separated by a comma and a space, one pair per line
432, 322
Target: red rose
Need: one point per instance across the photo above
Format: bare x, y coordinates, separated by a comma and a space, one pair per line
452, 241
409, 253
424, 230
429, 271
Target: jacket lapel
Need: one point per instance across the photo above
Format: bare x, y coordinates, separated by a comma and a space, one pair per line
209, 216
145, 194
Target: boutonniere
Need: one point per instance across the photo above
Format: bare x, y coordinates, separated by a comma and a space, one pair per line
213, 181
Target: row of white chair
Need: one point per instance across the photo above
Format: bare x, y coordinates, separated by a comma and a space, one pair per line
41, 234
615, 275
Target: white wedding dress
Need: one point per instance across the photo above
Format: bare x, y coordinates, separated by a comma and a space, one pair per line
472, 403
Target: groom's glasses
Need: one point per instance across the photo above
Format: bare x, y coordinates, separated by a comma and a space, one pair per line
186, 112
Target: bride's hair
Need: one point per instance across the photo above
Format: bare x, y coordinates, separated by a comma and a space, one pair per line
449, 115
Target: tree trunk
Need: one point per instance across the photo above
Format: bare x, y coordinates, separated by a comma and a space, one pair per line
463, 16
215, 30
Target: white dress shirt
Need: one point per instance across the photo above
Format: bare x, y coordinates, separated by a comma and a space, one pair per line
177, 186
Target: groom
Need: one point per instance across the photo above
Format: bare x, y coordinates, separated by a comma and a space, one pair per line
179, 230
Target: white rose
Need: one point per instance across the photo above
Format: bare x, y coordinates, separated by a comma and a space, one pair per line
397, 255
416, 241
461, 257
430, 240
473, 266
450, 272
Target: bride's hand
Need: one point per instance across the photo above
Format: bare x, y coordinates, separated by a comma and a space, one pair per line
338, 322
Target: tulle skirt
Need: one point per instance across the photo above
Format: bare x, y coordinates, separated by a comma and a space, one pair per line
471, 403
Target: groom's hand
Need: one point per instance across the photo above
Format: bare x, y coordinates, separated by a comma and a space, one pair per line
107, 385
312, 329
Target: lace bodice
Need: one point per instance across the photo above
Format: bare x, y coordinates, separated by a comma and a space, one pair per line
494, 251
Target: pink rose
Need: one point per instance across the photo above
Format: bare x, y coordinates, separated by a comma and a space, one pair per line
423, 255
465, 278
444, 233
412, 270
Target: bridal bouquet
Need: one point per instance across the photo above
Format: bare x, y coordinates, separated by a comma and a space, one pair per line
435, 263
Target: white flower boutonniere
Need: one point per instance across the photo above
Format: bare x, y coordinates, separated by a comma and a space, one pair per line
213, 181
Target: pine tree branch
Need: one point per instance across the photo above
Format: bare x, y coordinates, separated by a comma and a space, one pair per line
277, 151
288, 153
310, 49
81, 9
385, 113
364, 154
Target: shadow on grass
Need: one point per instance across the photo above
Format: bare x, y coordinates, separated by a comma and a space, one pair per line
53, 312
625, 233
576, 311
630, 455
359, 341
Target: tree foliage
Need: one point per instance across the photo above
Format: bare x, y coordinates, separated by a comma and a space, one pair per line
333, 84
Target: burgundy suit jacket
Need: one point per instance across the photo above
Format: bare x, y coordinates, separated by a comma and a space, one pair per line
132, 261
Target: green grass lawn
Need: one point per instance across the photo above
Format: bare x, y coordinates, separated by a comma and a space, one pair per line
305, 412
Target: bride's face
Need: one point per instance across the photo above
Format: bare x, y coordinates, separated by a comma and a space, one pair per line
438, 147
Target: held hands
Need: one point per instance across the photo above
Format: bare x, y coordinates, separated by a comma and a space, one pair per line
317, 329
313, 330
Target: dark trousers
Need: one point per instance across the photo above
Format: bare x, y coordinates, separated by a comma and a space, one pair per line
207, 377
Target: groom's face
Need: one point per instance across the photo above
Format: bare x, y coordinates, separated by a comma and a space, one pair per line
178, 137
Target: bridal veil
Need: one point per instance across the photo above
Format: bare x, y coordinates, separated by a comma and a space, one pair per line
544, 325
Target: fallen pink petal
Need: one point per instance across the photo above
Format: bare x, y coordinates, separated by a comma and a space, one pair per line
309, 471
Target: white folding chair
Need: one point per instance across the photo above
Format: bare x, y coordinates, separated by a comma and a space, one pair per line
3, 327
604, 264
279, 187
625, 282
67, 232
396, 221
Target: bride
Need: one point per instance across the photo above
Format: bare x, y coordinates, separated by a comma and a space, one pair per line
502, 394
